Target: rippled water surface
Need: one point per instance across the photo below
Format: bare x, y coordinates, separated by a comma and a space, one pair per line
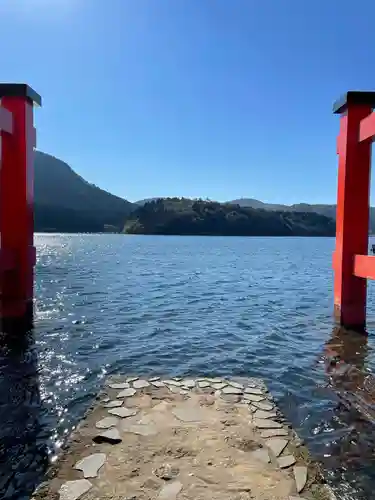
213, 306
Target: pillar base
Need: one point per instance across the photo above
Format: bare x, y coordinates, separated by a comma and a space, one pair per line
354, 326
19, 325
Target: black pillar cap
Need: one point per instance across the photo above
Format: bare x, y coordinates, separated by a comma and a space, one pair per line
20, 90
354, 97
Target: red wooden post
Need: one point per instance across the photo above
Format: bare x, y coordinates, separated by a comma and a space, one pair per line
17, 258
352, 218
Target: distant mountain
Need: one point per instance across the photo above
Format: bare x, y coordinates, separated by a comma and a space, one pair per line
65, 202
327, 210
182, 216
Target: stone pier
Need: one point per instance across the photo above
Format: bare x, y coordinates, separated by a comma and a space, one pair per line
184, 439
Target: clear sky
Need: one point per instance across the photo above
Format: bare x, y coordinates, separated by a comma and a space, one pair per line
203, 98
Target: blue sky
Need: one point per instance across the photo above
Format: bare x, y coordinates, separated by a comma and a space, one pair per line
204, 98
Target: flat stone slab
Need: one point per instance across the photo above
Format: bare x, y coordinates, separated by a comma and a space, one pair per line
218, 385
126, 393
189, 383
300, 476
181, 439
140, 384
73, 490
237, 385
157, 383
264, 414
265, 423
106, 423
123, 385
90, 465
113, 404
253, 390
274, 432
203, 384
176, 383
263, 405
277, 445
111, 436
232, 390
286, 461
254, 397
122, 412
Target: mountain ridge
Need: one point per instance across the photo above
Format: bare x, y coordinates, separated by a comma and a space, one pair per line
65, 202
184, 216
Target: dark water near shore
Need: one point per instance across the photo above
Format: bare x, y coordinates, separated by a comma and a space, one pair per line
198, 305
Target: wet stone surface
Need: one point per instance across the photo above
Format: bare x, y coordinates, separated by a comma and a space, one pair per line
182, 439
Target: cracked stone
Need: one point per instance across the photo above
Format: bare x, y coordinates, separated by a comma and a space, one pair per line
112, 436
286, 461
265, 423
157, 383
106, 423
154, 379
132, 379
72, 490
172, 382
203, 384
254, 397
219, 385
273, 433
166, 472
170, 491
300, 475
262, 455
265, 414
90, 465
122, 412
126, 393
232, 390
262, 405
236, 385
231, 398
188, 383
105, 400
113, 404
184, 391
140, 384
254, 390
123, 385
276, 445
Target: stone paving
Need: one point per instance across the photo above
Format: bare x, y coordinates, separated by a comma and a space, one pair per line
184, 439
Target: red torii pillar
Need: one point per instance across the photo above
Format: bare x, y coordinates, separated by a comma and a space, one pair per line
351, 262
17, 256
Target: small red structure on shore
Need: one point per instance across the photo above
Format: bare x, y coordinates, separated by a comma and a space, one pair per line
17, 256
351, 262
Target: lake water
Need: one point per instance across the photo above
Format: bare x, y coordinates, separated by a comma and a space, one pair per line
204, 305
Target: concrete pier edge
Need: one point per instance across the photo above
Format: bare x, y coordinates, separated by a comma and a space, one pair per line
191, 437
